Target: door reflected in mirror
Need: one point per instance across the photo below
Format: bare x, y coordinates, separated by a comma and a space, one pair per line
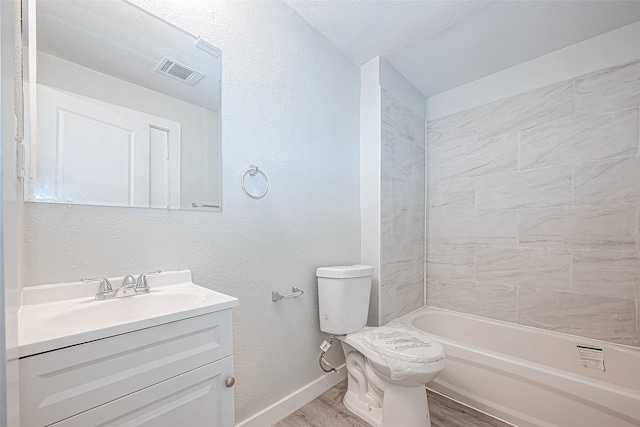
124, 111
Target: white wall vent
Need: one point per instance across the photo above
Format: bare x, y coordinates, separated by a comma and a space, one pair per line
179, 71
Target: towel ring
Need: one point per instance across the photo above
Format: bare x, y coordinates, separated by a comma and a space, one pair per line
253, 171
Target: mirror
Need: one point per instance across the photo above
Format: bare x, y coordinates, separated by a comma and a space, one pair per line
124, 108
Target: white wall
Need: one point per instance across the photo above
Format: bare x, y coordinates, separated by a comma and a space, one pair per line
199, 143
612, 48
11, 211
290, 104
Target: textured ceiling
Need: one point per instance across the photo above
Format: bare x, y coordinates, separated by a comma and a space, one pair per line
439, 45
365, 29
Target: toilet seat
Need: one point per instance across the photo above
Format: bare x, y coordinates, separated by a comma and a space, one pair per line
417, 361
389, 391
401, 343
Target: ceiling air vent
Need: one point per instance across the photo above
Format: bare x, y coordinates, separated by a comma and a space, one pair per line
179, 71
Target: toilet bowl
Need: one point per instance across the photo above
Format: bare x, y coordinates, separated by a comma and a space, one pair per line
387, 366
378, 396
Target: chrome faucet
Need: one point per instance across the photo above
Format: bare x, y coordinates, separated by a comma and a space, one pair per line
141, 283
105, 290
127, 288
130, 286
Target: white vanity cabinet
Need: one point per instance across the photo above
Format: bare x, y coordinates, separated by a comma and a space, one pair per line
173, 374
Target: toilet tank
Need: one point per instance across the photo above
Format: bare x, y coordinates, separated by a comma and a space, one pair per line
343, 298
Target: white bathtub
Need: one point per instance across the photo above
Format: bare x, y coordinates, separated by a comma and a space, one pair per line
531, 377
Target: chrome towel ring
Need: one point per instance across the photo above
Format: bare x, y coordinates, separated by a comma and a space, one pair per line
253, 171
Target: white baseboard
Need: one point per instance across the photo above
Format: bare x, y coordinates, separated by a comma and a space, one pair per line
286, 406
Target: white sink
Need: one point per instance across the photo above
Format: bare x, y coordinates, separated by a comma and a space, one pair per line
60, 315
95, 314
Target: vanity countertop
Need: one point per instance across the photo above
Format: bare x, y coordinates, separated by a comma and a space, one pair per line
66, 314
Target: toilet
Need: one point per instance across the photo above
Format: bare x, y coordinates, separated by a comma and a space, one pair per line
387, 366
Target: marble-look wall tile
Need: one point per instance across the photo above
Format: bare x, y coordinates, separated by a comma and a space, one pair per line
601, 137
400, 300
604, 318
454, 151
452, 193
402, 275
401, 191
607, 90
607, 182
610, 228
399, 120
450, 263
495, 301
402, 228
608, 273
403, 157
550, 104
545, 228
561, 164
604, 228
387, 303
402, 209
479, 157
541, 268
461, 125
409, 297
469, 228
525, 189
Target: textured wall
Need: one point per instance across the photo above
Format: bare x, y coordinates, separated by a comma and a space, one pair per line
290, 105
11, 268
533, 207
402, 200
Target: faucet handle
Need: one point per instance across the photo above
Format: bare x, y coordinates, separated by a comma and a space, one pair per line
104, 287
128, 281
141, 283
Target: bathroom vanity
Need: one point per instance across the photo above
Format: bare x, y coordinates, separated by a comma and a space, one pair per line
159, 359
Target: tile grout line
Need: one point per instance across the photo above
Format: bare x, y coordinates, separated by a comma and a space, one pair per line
574, 98
518, 304
572, 187
475, 208
426, 203
566, 164
571, 269
518, 229
518, 150
475, 264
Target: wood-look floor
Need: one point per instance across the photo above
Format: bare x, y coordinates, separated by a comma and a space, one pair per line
329, 411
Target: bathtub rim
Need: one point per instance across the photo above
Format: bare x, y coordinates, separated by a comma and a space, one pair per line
406, 319
553, 376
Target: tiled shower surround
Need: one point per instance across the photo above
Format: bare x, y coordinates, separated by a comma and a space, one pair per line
402, 201
532, 207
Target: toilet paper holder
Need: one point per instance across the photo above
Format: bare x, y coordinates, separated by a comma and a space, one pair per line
295, 292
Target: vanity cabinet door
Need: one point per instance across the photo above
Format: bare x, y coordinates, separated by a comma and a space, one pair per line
199, 398
66, 382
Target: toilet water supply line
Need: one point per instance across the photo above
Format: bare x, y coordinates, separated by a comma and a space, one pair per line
325, 346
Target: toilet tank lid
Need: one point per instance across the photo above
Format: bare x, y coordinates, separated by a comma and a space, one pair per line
345, 271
